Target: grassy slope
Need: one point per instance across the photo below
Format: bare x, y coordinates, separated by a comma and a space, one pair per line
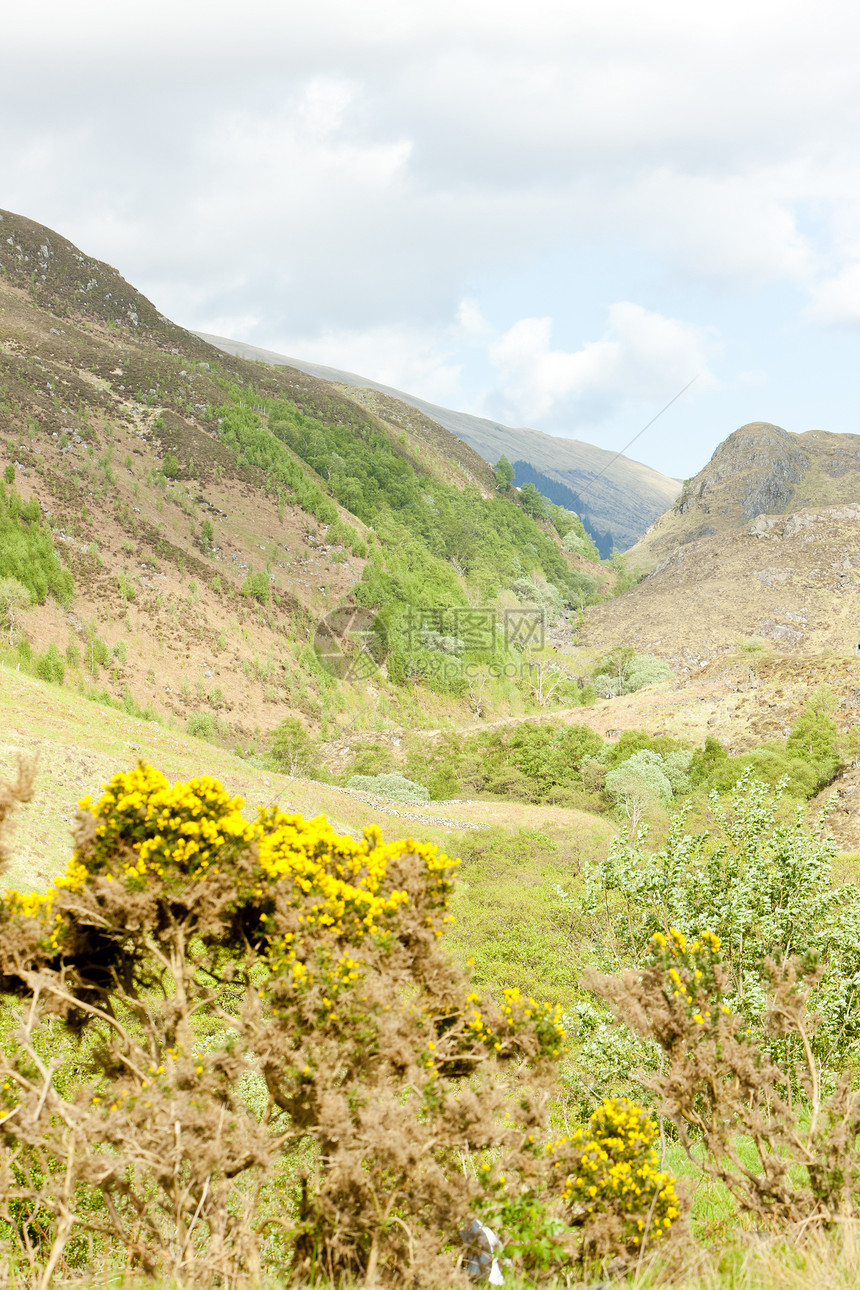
79, 744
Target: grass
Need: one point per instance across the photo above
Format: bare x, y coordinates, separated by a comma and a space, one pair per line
79, 745
817, 1261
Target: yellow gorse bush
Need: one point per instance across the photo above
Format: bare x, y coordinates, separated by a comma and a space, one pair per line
172, 832
611, 1165
690, 966
276, 956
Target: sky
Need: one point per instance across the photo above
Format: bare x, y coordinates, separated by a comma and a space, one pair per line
552, 213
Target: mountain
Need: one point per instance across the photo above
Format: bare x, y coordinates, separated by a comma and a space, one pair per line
760, 469
618, 496
760, 548
184, 522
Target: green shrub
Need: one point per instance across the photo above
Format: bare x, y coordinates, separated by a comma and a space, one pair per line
293, 751
27, 551
764, 884
642, 776
814, 739
125, 586
14, 599
257, 587
581, 543
624, 671
201, 725
50, 666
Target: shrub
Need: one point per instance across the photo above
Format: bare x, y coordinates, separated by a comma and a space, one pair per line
27, 552
50, 666
392, 785
292, 749
125, 586
267, 1047
642, 776
719, 1087
624, 671
201, 725
542, 594
581, 543
814, 739
14, 599
257, 586
762, 885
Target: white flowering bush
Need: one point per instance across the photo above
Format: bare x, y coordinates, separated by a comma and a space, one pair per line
392, 785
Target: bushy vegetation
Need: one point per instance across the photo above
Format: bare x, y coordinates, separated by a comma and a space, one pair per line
293, 750
624, 672
27, 552
431, 543
392, 785
240, 1050
570, 765
280, 994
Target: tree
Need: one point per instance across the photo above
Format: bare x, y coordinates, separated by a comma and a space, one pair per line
14, 599
532, 502
504, 473
293, 750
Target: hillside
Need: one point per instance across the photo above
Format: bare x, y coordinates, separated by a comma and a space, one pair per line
789, 582
760, 469
617, 495
183, 520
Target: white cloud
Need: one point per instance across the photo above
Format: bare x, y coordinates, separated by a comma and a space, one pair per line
406, 358
356, 182
836, 300
641, 356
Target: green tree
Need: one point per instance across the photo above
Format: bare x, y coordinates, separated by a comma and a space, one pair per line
256, 585
814, 738
504, 473
292, 750
532, 502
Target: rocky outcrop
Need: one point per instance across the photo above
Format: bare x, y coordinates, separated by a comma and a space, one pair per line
759, 474
755, 470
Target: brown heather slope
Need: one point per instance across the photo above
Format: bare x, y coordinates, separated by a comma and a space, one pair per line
792, 581
763, 544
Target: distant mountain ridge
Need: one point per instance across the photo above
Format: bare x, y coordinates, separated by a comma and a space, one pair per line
621, 497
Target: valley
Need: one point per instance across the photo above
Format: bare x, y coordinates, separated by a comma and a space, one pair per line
619, 750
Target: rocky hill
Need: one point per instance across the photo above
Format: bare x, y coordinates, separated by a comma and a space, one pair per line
617, 495
759, 550
759, 470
